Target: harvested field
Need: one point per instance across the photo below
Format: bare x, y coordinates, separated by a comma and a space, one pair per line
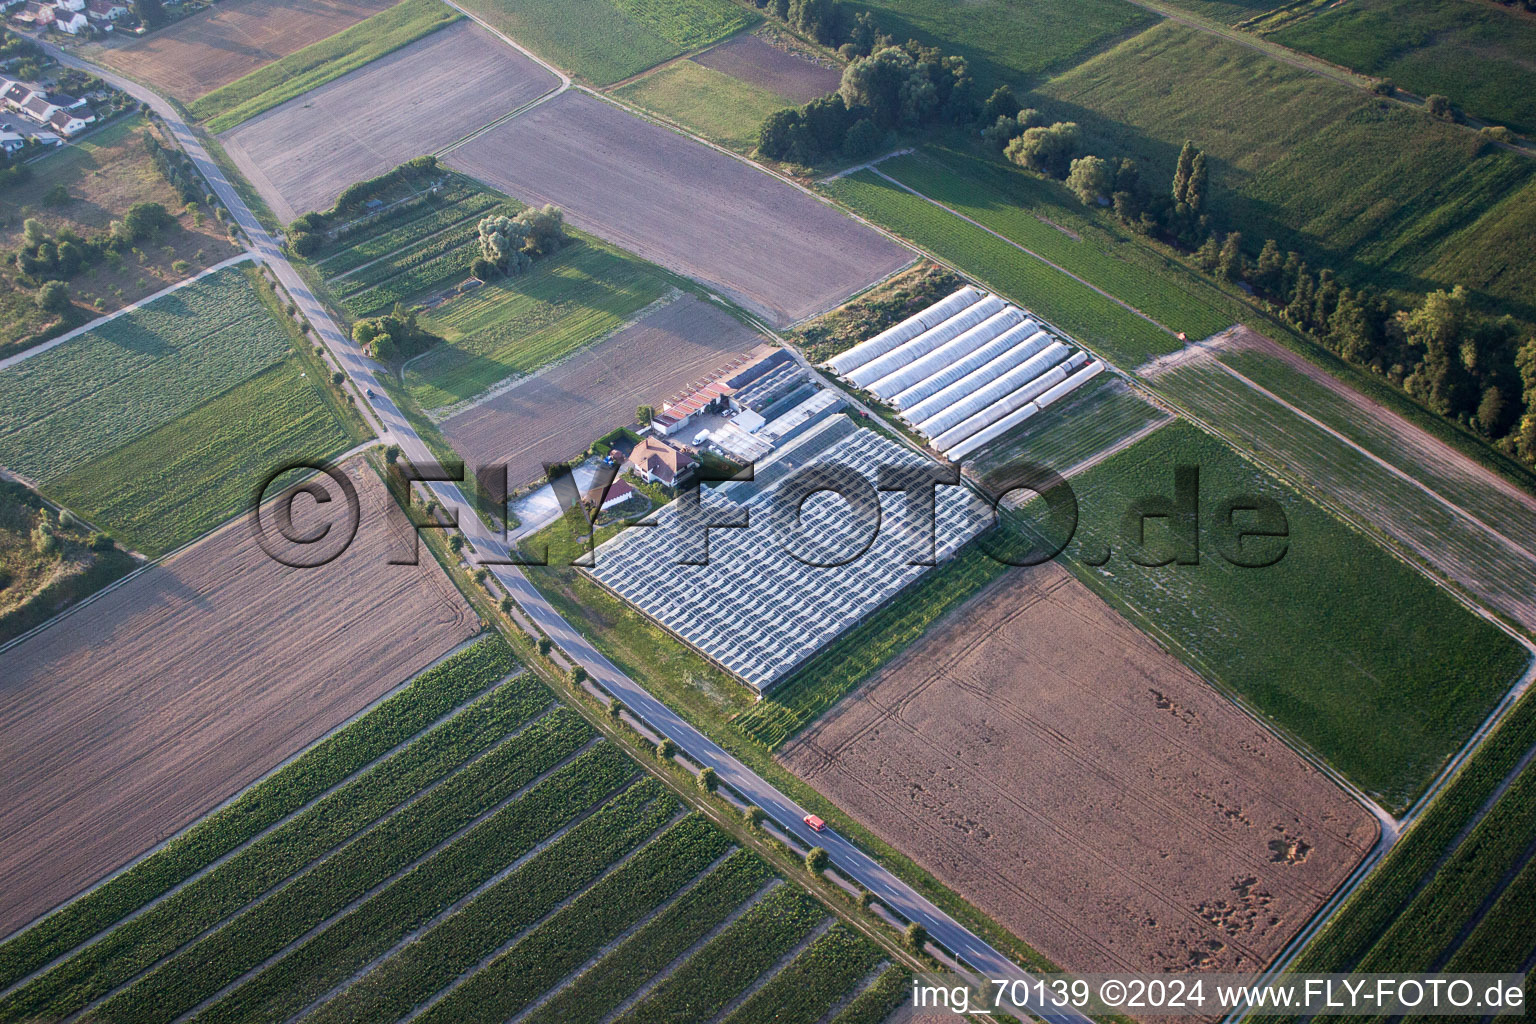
143, 709
1044, 759
231, 39
751, 58
767, 246
555, 413
300, 155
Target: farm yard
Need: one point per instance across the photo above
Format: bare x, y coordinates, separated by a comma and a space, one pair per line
553, 414
103, 176
464, 851
1055, 768
217, 664
158, 424
229, 40
415, 100
1461, 519
607, 41
1362, 185
1379, 670
321, 62
1479, 56
774, 250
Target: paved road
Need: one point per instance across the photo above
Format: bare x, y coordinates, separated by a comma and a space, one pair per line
488, 548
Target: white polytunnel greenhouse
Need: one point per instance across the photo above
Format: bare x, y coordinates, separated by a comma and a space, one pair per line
967, 369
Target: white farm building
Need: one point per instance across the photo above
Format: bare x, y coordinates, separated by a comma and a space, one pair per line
967, 370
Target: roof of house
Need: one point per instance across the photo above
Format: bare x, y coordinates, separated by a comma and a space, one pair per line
61, 119
38, 104
657, 458
17, 92
104, 7
617, 491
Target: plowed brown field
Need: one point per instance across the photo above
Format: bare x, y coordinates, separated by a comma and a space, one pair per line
230, 40
139, 711
556, 413
1086, 790
753, 59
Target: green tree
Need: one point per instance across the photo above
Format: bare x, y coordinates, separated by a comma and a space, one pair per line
33, 231
144, 220
1182, 171
615, 710
392, 454
1490, 413
863, 139
1199, 181
57, 195
875, 82
917, 937
1350, 331
151, 13
1266, 273
53, 297
666, 750
709, 780
752, 816
1230, 263
1439, 106
578, 675
1045, 150
816, 860
1208, 256
1090, 178
1437, 327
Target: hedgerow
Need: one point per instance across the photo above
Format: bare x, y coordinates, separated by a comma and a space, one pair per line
433, 694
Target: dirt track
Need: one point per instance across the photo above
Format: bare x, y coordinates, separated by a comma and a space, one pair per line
141, 710
300, 155
557, 412
1043, 758
232, 39
773, 249
753, 59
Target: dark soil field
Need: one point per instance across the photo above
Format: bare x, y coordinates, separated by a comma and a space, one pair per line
421, 97
1083, 788
555, 413
771, 248
231, 39
139, 711
754, 59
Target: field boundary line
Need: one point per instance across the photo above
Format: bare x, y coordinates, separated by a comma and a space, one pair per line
503, 948
245, 844
10, 361
307, 869
772, 970
395, 252
565, 80
624, 936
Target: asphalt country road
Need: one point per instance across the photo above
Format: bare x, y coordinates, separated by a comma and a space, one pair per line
489, 549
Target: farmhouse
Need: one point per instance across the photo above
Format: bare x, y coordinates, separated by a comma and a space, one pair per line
657, 462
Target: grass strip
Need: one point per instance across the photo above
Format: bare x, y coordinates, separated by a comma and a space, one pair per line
202, 969
434, 694
558, 946
322, 827
618, 975
567, 866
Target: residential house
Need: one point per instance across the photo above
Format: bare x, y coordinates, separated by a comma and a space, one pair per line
37, 107
34, 13
618, 492
70, 123
655, 461
12, 142
106, 10
69, 5
71, 22
14, 94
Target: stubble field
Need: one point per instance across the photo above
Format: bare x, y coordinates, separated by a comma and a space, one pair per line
300, 155
148, 706
554, 414
231, 39
765, 245
1045, 760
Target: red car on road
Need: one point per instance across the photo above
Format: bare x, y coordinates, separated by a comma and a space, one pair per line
816, 823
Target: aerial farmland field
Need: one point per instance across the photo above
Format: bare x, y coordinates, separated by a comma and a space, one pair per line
217, 663
767, 246
412, 101
1056, 768
757, 60
555, 413
230, 39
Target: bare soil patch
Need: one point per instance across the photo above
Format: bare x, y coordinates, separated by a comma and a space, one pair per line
230, 40
555, 413
416, 100
139, 711
770, 247
753, 59
1047, 761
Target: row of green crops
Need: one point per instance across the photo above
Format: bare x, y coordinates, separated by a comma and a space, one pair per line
880, 1000
200, 970
602, 913
656, 944
511, 900
449, 265
276, 855
732, 960
427, 220
434, 693
412, 258
99, 390
812, 984
401, 216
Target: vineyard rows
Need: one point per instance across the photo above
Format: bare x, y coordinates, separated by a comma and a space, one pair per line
401, 214
434, 694
804, 991
448, 266
413, 258
427, 222
879, 1001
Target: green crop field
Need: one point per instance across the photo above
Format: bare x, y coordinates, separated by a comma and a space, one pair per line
188, 476
1010, 42
1108, 328
100, 390
720, 108
1098, 417
1227, 11
1477, 54
605, 41
1038, 215
1339, 643
466, 851
321, 62
1365, 186
515, 325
